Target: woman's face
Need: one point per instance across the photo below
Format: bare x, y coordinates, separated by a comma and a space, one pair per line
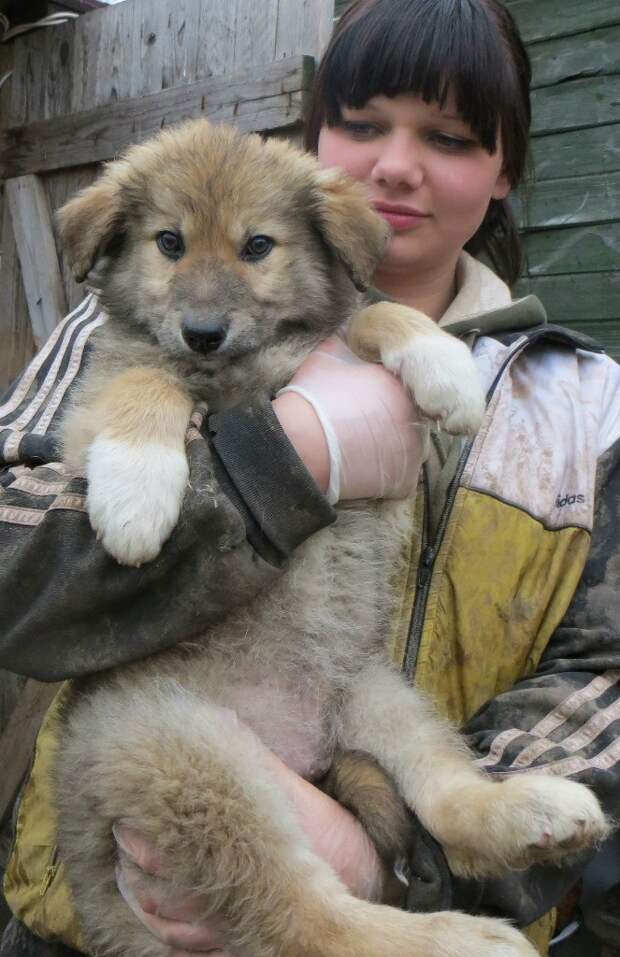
427, 175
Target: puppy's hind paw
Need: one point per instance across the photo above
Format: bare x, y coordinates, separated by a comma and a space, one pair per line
527, 819
550, 818
134, 497
440, 372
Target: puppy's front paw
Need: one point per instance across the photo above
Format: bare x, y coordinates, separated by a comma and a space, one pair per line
134, 497
441, 373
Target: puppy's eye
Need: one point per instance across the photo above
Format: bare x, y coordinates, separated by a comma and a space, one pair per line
257, 247
170, 244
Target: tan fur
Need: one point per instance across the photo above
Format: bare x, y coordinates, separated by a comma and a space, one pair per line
303, 666
360, 784
387, 325
140, 405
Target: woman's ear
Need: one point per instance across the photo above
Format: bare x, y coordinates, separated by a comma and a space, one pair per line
351, 229
88, 222
502, 187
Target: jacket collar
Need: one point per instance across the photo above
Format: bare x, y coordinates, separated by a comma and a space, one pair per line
482, 303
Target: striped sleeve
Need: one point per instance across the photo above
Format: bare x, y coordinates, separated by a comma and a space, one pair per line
31, 407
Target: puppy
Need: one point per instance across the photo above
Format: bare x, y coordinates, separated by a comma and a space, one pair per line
222, 261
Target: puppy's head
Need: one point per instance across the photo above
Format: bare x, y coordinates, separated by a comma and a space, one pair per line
220, 245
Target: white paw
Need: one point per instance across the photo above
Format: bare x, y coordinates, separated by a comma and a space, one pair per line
550, 817
134, 497
440, 372
523, 820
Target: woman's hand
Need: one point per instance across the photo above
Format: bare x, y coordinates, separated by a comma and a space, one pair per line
176, 917
354, 425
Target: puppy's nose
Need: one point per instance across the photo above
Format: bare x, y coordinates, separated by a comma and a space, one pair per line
203, 336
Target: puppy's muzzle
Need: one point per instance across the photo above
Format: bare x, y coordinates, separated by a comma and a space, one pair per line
204, 336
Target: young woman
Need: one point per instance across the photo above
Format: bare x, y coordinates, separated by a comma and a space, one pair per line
510, 608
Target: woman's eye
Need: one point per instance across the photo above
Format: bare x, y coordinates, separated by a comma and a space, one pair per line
454, 144
170, 244
257, 247
359, 130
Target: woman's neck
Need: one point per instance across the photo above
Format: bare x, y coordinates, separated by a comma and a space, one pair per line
429, 291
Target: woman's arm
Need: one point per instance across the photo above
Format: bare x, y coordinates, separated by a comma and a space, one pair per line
68, 609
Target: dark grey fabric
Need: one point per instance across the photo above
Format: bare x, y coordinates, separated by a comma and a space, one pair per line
18, 941
268, 480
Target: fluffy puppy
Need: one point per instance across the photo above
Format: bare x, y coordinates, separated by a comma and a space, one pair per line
222, 261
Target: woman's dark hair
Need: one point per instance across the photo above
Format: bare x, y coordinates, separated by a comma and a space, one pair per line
431, 47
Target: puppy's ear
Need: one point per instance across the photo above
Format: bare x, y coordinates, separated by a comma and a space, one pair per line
351, 229
88, 223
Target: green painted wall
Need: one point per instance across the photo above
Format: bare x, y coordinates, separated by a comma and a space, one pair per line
570, 216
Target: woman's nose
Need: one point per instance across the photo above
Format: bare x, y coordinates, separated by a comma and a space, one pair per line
398, 166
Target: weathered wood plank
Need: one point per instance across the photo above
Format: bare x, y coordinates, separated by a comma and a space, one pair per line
568, 58
217, 27
581, 298
16, 343
593, 248
179, 50
255, 40
18, 738
571, 202
267, 95
60, 187
140, 47
558, 18
28, 80
577, 153
32, 227
58, 81
575, 105
305, 27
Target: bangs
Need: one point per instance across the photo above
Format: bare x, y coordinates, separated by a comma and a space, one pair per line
443, 46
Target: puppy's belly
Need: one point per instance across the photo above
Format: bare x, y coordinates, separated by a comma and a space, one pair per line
291, 723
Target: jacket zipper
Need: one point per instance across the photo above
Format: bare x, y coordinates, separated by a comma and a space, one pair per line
427, 562
429, 552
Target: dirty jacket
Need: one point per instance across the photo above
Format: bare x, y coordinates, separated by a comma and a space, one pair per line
510, 609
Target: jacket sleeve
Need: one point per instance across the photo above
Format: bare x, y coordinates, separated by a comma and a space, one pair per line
566, 717
66, 607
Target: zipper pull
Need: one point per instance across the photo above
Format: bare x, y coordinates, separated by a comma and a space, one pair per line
426, 563
48, 877
50, 873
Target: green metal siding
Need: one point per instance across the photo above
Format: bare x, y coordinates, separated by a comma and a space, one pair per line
570, 214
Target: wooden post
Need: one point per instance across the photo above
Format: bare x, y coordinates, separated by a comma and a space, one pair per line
32, 227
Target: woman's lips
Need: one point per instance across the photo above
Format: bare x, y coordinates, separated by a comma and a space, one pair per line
400, 218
